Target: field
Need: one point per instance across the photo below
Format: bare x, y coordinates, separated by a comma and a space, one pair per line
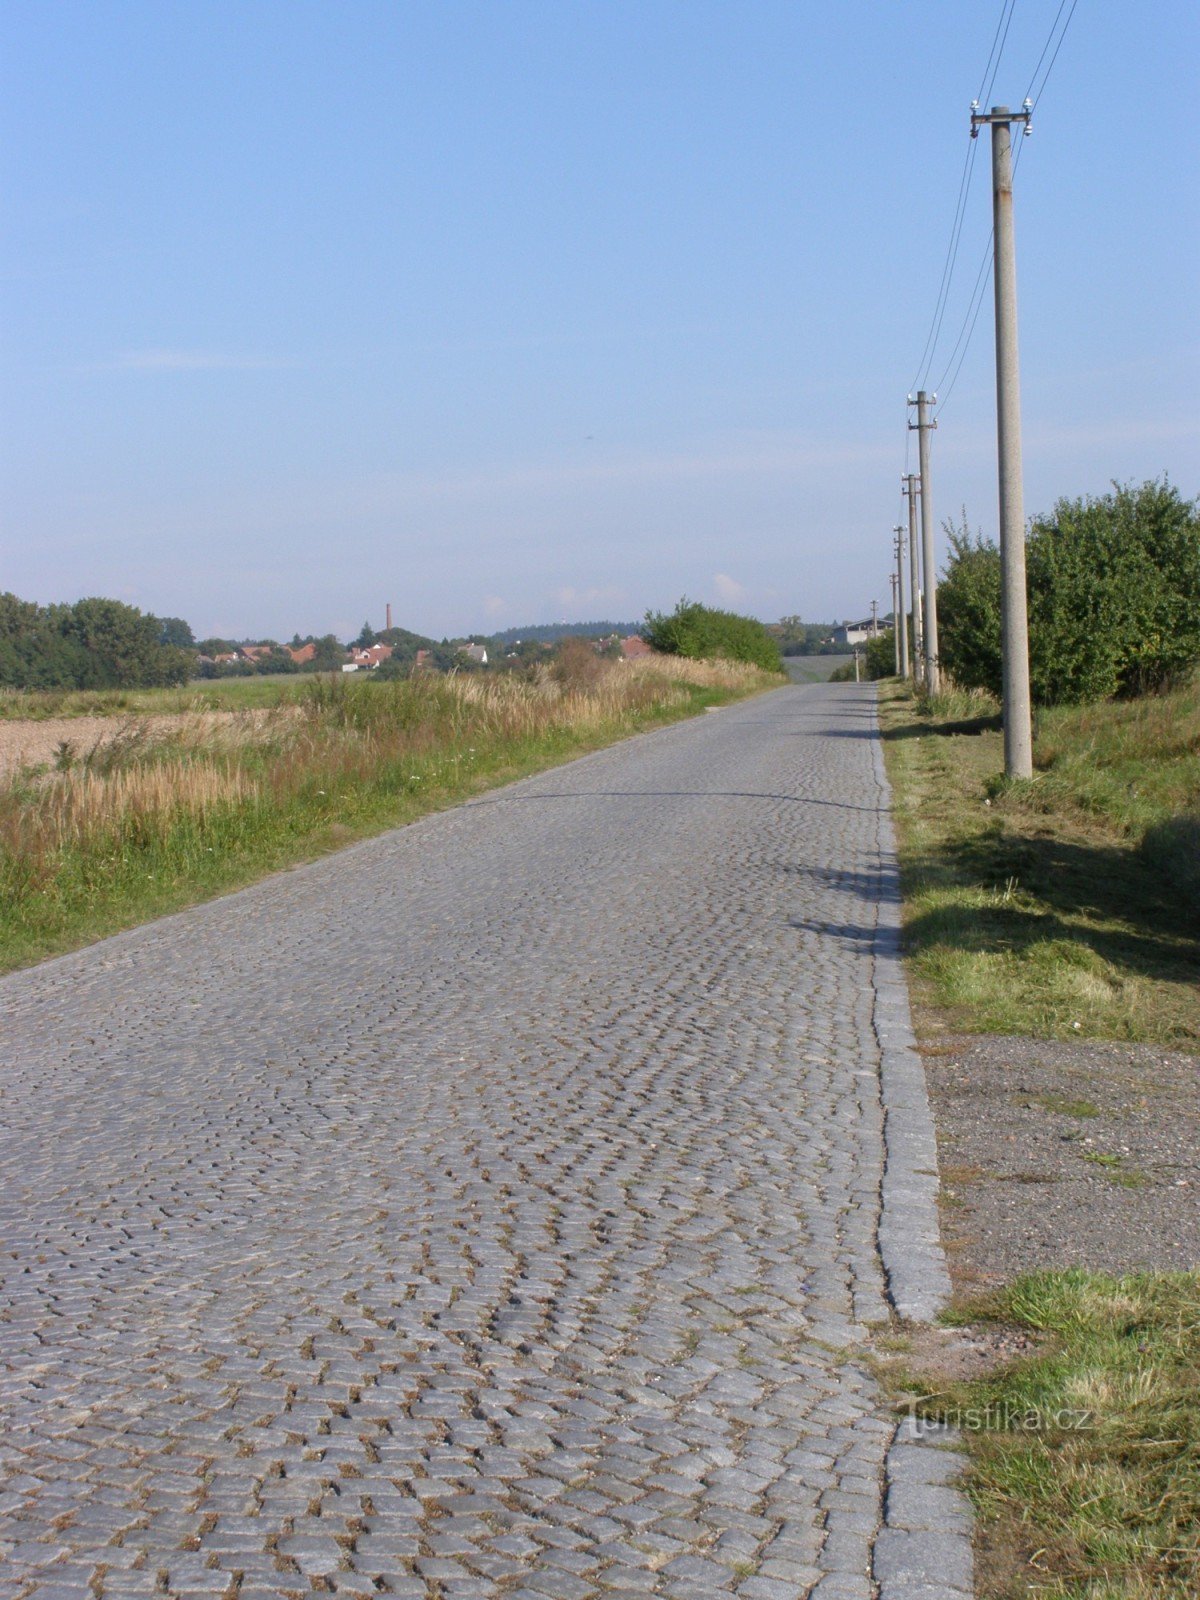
1064, 907
813, 669
180, 802
212, 694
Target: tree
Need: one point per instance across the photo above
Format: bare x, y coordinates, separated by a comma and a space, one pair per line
701, 631
1115, 593
175, 631
1114, 597
330, 654
366, 637
968, 599
93, 644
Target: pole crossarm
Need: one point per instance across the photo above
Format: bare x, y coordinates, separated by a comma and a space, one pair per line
982, 119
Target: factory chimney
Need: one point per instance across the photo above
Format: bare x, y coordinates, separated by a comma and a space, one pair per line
389, 616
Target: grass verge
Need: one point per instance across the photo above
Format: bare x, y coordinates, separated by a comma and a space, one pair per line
1086, 1454
1064, 907
154, 820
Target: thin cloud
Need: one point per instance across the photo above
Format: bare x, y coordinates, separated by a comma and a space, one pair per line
728, 588
775, 457
194, 361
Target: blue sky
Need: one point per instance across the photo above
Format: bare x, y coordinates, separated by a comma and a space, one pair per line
559, 308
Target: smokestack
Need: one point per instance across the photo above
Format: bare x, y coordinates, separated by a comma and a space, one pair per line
389, 616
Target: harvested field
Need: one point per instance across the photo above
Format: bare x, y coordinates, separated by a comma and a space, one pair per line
41, 742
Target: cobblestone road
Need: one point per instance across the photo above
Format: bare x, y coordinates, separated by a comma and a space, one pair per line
490, 1210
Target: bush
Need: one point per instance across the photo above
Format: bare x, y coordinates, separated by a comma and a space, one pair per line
877, 659
703, 633
880, 655
968, 605
1114, 598
577, 665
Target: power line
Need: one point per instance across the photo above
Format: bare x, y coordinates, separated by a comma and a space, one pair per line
939, 309
983, 94
975, 302
991, 68
974, 306
1029, 95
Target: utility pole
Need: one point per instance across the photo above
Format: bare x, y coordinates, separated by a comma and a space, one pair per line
1018, 717
924, 427
895, 621
874, 619
901, 608
909, 485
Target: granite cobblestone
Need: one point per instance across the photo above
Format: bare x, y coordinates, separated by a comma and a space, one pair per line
488, 1209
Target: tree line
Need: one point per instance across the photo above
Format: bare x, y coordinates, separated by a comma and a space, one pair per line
92, 644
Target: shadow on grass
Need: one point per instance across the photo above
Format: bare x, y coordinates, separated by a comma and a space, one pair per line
940, 730
1104, 898
1094, 907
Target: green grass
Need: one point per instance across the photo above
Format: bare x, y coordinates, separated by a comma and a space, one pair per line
158, 820
212, 694
1085, 1456
1064, 907
1066, 1107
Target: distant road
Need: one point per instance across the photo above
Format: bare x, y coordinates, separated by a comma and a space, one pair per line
481, 1211
813, 669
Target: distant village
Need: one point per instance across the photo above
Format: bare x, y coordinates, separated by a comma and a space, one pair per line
397, 649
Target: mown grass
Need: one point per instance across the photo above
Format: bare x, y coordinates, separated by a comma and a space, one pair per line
1062, 907
1085, 1456
156, 819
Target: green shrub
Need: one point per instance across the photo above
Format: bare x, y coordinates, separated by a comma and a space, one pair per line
968, 604
1114, 598
703, 633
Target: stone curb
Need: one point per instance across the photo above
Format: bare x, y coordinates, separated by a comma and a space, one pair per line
923, 1550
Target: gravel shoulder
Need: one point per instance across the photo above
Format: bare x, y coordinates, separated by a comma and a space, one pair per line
1059, 1154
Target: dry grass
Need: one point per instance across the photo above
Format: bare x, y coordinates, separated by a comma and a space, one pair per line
156, 816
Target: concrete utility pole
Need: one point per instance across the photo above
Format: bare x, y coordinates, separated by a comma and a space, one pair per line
901, 608
874, 619
895, 577
909, 484
1018, 717
924, 426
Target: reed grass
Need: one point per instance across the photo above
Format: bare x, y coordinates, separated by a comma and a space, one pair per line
156, 817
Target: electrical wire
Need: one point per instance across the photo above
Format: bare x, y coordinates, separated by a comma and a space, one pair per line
943, 294
991, 68
966, 332
1029, 94
984, 94
962, 344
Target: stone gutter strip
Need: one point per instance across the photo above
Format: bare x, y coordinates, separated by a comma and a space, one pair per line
923, 1550
909, 1235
